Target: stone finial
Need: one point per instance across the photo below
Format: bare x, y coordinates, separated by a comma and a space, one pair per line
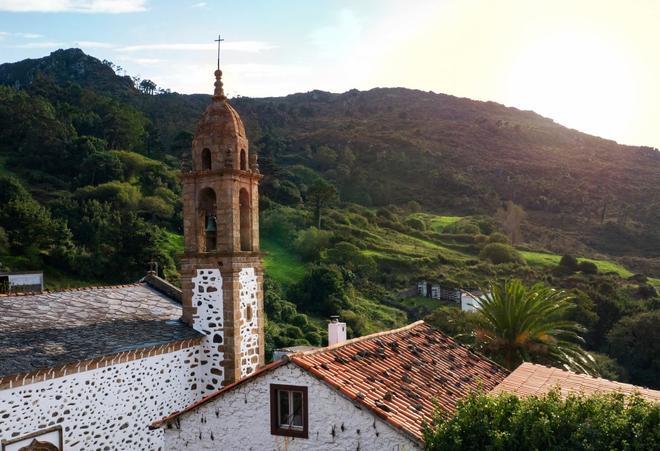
219, 93
254, 165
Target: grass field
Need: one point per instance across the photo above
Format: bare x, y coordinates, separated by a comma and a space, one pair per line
435, 222
544, 259
281, 264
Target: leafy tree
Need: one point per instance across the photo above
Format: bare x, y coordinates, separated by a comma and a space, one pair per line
319, 196
309, 243
323, 290
510, 216
27, 224
547, 422
528, 324
349, 256
635, 342
454, 322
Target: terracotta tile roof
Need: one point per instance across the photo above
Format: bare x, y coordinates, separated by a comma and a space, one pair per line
533, 379
399, 374
57, 328
258, 372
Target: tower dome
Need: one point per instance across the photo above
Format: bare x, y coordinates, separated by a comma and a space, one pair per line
220, 141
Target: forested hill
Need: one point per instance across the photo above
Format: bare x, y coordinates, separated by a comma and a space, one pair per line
452, 155
363, 195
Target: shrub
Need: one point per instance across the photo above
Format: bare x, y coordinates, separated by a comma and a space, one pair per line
588, 267
577, 422
309, 243
498, 237
569, 263
416, 224
499, 253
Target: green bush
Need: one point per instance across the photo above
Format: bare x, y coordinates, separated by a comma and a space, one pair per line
498, 237
310, 242
588, 267
416, 224
499, 253
549, 422
568, 263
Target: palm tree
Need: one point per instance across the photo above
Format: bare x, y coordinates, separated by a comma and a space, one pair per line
519, 324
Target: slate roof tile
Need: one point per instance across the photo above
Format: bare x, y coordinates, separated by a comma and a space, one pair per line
57, 328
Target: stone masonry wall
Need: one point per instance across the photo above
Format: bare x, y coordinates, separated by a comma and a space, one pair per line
240, 420
108, 408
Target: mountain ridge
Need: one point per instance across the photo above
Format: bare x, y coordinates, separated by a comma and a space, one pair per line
451, 154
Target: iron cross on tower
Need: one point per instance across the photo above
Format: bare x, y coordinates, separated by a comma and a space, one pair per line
219, 40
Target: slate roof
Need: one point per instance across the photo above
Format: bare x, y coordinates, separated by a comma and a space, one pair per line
399, 375
57, 328
532, 379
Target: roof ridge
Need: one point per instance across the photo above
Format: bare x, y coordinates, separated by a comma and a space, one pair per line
358, 339
64, 290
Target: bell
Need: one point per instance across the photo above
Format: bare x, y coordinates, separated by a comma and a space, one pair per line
210, 224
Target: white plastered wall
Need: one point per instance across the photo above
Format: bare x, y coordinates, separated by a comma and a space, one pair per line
240, 420
105, 408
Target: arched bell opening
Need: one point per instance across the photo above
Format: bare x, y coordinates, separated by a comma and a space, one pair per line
243, 165
246, 220
207, 215
206, 160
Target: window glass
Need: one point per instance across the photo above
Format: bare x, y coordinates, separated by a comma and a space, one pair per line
297, 408
283, 402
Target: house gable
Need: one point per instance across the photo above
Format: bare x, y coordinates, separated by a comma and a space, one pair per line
335, 422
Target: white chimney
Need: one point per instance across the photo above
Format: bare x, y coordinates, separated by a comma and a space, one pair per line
336, 331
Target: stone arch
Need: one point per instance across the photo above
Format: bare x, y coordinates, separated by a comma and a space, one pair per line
208, 221
245, 220
206, 160
243, 162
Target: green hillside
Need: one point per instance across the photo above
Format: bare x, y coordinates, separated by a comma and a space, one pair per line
409, 185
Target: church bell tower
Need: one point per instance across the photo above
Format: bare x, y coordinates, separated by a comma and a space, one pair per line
221, 269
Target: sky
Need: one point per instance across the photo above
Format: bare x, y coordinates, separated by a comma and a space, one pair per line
590, 65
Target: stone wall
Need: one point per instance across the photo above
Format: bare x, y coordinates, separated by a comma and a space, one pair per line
240, 420
106, 408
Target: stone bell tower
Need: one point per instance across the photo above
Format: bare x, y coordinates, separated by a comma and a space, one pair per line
221, 269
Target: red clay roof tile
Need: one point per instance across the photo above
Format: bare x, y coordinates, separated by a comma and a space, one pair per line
401, 374
532, 379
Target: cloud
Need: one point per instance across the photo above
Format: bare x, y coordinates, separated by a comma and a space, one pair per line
21, 35
76, 6
29, 35
199, 5
40, 45
237, 46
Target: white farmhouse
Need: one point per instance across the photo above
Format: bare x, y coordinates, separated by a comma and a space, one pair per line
369, 393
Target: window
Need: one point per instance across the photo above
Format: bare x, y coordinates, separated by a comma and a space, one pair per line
288, 410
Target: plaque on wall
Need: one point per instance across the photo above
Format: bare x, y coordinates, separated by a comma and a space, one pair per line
44, 440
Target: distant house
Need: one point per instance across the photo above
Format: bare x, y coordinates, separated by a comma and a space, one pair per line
370, 393
470, 300
25, 281
435, 290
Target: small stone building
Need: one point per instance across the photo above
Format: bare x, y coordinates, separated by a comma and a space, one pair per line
369, 393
